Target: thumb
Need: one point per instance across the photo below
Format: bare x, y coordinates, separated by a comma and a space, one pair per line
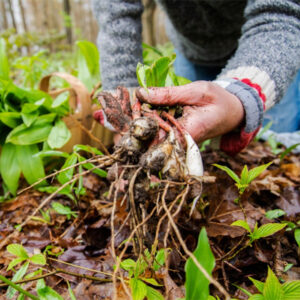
189, 94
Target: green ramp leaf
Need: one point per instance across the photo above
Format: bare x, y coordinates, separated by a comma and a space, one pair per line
267, 230
4, 66
232, 174
59, 135
297, 236
291, 290
17, 250
18, 276
138, 289
272, 287
30, 164
88, 63
9, 167
196, 284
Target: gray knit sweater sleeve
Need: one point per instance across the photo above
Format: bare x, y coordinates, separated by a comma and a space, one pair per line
268, 53
119, 41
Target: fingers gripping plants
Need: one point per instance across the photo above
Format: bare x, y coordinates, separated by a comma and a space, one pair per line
156, 142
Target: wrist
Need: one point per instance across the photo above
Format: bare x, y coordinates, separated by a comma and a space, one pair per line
253, 106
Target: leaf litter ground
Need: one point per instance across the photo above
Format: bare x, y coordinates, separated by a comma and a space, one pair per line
81, 248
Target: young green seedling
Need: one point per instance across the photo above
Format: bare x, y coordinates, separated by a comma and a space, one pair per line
246, 177
272, 289
137, 281
22, 256
64, 210
259, 232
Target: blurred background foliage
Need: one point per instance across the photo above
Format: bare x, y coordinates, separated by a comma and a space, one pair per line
43, 36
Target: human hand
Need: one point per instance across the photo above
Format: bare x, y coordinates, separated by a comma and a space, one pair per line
208, 109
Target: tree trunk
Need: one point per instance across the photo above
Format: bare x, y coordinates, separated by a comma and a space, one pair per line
3, 13
37, 16
12, 15
147, 20
23, 16
68, 25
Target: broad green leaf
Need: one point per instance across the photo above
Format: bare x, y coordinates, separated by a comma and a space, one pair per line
11, 119
128, 264
258, 284
87, 148
15, 262
244, 175
153, 294
38, 259
40, 284
18, 276
196, 285
61, 99
267, 230
47, 293
29, 113
17, 250
29, 118
9, 167
229, 172
21, 297
23, 135
272, 287
160, 70
141, 266
31, 165
62, 209
67, 175
90, 166
97, 171
60, 104
242, 224
160, 259
138, 289
147, 255
15, 96
182, 80
291, 290
297, 236
4, 66
52, 189
171, 79
275, 213
88, 63
150, 54
143, 74
151, 281
257, 297
253, 173
36, 133
51, 153
59, 135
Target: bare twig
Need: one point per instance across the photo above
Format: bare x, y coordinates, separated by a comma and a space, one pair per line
135, 218
191, 255
4, 241
90, 160
102, 146
117, 266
